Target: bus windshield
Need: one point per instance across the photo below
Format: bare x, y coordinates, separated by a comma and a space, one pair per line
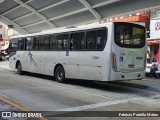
129, 35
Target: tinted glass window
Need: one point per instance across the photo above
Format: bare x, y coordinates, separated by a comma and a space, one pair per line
13, 47
101, 38
29, 43
65, 41
52, 42
59, 41
46, 41
91, 40
129, 35
21, 44
36, 43
77, 41
40, 42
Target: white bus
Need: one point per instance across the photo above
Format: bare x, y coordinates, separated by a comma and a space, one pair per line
104, 52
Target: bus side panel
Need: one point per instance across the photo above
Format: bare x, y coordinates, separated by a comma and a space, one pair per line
107, 55
24, 59
37, 61
12, 62
31, 61
91, 65
70, 62
18, 56
50, 60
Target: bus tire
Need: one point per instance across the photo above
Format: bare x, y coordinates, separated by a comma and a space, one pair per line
19, 68
60, 74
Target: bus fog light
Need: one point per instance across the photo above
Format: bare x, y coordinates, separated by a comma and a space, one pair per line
122, 76
139, 75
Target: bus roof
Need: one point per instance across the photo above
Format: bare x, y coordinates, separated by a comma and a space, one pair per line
69, 29
64, 29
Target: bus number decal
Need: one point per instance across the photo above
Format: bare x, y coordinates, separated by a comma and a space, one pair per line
95, 57
139, 58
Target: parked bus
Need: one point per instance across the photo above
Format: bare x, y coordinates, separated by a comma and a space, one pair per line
104, 52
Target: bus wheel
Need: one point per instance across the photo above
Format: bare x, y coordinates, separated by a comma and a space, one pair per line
60, 74
19, 68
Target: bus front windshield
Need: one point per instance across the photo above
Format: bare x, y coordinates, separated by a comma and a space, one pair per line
129, 35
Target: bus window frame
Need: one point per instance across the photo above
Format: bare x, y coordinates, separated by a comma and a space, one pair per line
32, 42
81, 44
41, 39
128, 45
105, 38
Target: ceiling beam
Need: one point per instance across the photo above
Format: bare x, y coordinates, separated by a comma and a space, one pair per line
16, 7
67, 14
42, 9
7, 21
35, 12
83, 9
53, 5
63, 15
93, 11
104, 3
60, 16
94, 6
16, 27
32, 24
29, 14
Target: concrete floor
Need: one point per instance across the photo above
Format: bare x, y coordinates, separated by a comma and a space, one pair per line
41, 93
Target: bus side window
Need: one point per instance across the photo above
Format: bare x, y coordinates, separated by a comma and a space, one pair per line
101, 39
91, 40
59, 45
46, 42
71, 42
29, 44
77, 41
65, 41
74, 41
82, 40
36, 43
41, 42
13, 45
21, 44
52, 42
59, 41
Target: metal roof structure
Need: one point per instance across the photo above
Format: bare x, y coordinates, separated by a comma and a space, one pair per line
31, 16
